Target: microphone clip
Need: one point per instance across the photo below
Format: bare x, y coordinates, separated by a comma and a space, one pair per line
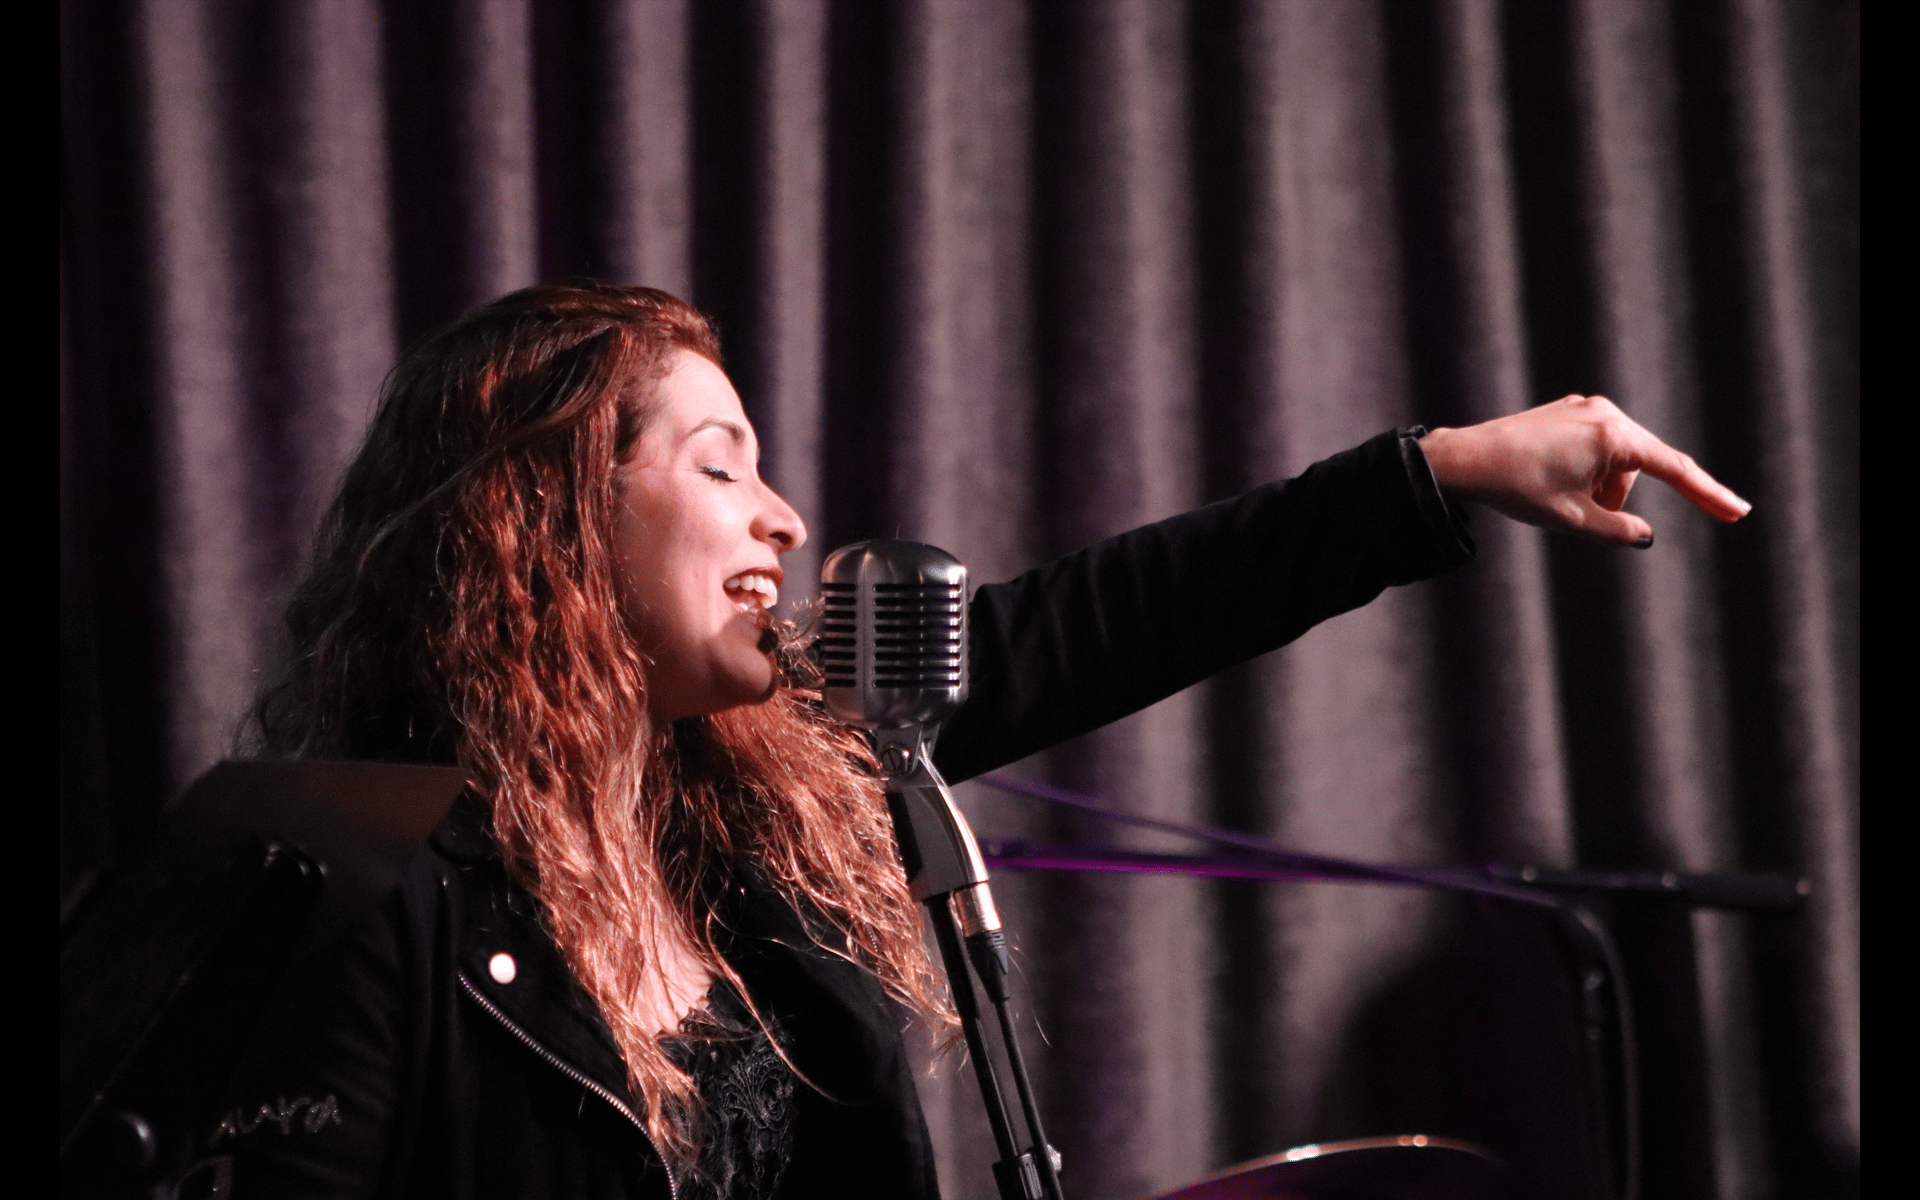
936, 844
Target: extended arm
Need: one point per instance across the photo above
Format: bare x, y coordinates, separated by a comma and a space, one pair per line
1089, 638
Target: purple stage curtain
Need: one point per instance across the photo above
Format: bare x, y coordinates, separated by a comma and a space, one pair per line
1010, 276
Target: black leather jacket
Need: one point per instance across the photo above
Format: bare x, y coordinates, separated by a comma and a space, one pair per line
429, 1070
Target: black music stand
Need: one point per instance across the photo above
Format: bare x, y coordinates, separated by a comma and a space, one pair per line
188, 967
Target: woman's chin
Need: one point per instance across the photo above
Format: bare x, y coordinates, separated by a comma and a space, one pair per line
754, 678
756, 688
738, 670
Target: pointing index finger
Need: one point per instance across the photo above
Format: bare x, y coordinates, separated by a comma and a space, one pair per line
1687, 477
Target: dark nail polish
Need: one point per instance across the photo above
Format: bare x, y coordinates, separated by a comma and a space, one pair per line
1645, 543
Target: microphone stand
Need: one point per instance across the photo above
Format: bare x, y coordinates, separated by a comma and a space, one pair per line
946, 873
1563, 894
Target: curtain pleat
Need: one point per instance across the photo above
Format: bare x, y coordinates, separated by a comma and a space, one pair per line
1009, 276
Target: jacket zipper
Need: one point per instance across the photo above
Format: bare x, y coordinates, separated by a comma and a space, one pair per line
565, 1068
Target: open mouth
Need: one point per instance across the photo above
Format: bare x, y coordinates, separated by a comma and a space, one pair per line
753, 592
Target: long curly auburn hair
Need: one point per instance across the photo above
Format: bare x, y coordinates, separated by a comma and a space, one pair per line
461, 608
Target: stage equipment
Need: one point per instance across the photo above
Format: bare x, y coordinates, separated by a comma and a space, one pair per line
1408, 1167
893, 647
184, 971
1575, 899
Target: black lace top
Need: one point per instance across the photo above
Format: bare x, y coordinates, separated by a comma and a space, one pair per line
748, 1090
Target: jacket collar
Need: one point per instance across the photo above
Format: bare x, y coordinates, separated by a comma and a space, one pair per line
841, 1026
503, 951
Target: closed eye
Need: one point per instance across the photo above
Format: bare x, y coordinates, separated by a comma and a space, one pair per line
717, 473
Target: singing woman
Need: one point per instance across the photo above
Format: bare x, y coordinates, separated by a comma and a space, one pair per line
665, 947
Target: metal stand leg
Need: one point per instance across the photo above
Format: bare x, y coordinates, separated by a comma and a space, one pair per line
1011, 1180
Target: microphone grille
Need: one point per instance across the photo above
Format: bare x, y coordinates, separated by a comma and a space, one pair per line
917, 634
839, 641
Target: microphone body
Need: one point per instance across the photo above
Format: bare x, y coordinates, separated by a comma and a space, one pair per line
893, 636
893, 645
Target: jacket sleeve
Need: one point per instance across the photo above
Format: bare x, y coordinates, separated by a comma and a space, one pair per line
316, 1118
1087, 639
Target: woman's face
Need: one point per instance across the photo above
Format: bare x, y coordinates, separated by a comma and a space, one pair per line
698, 539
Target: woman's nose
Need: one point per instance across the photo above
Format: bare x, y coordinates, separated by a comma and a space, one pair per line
779, 524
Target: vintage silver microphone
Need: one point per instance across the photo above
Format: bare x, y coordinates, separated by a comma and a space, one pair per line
893, 648
893, 645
